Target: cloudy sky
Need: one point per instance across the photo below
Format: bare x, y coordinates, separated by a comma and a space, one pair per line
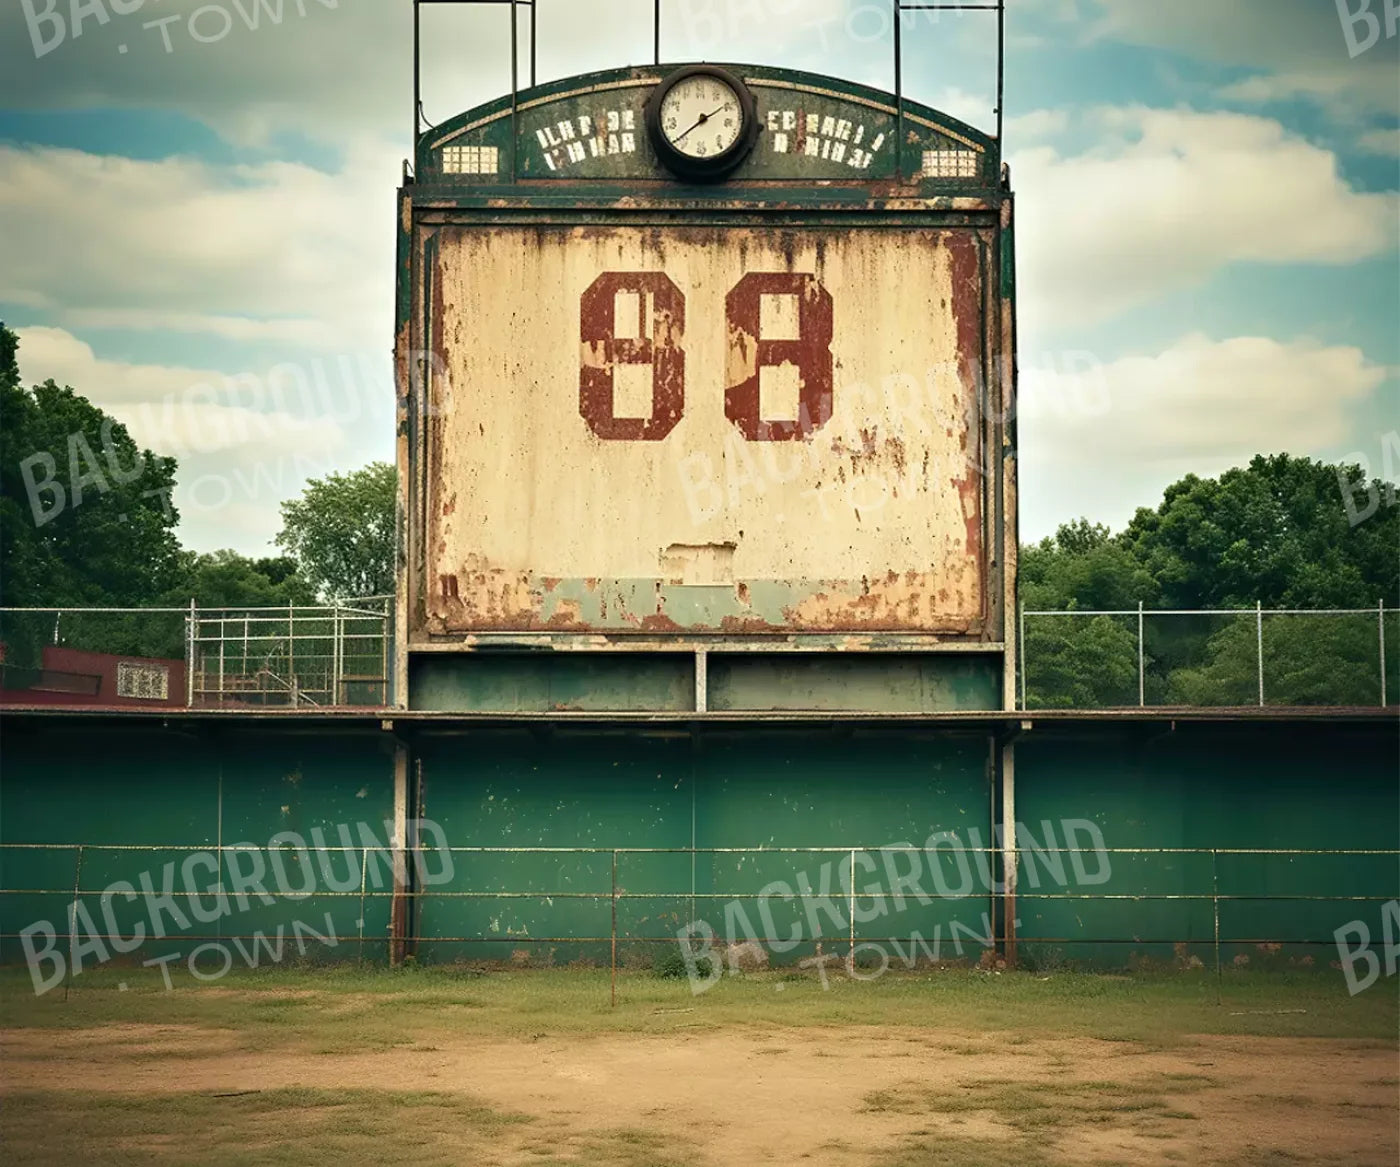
196, 217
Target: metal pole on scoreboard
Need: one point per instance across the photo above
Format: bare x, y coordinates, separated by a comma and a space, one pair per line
417, 84
900, 7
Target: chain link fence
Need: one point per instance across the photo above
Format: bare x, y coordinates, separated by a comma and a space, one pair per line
193, 657
1342, 658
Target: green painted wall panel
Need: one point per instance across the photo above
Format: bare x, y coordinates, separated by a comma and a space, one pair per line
888, 683
808, 789
749, 790
550, 682
1245, 787
168, 796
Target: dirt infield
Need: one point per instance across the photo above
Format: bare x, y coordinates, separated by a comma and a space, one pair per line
851, 1095
454, 1066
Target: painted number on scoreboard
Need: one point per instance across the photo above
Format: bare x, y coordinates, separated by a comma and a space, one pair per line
653, 332
658, 325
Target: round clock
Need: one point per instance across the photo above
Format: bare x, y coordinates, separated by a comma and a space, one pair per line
702, 122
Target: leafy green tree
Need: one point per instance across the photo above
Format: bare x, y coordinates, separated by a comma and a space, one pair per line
86, 516
341, 532
1083, 566
1275, 532
225, 579
1308, 660
1076, 662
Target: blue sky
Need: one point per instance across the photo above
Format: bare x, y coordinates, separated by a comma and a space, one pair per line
196, 218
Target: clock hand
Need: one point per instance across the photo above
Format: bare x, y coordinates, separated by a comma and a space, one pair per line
704, 117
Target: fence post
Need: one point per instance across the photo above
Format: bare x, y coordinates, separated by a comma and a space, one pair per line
851, 908
1215, 904
1141, 669
1021, 655
73, 920
291, 656
1380, 625
190, 634
1259, 633
614, 929
335, 655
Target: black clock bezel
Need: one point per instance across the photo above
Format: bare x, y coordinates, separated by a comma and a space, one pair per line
702, 169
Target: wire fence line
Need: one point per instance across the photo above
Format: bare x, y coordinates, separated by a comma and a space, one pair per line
293, 656
1202, 658
1190, 907
340, 655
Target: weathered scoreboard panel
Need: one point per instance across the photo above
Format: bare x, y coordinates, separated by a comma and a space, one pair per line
700, 358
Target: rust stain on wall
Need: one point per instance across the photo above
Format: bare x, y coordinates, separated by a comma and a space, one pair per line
967, 312
691, 498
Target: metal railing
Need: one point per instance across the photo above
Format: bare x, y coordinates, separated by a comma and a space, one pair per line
897, 10
337, 655
1202, 658
1235, 882
291, 656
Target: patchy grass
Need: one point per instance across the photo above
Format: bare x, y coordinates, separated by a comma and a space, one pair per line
300, 1125
1032, 1107
295, 1125
1034, 1115
338, 1010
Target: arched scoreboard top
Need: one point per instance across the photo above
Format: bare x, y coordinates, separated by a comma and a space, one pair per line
808, 129
706, 388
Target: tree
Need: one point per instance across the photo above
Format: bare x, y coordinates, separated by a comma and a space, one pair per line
86, 516
341, 533
1276, 532
1083, 566
226, 579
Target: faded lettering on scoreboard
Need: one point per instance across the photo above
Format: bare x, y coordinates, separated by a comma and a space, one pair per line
706, 429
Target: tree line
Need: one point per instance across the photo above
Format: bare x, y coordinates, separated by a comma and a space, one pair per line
87, 519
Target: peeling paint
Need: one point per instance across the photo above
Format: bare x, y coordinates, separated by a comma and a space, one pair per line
869, 522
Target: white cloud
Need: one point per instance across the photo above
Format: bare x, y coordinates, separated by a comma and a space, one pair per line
1385, 142
1169, 197
186, 245
178, 411
1102, 440
309, 333
335, 69
1298, 49
976, 109
1038, 123
244, 443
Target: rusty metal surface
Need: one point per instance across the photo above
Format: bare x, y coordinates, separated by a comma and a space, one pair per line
706, 429
812, 129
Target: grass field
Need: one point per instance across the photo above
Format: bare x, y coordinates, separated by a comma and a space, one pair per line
445, 1066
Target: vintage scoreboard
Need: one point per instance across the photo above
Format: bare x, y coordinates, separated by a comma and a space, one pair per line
706, 385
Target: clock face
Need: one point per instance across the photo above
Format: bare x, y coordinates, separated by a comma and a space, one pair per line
702, 116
